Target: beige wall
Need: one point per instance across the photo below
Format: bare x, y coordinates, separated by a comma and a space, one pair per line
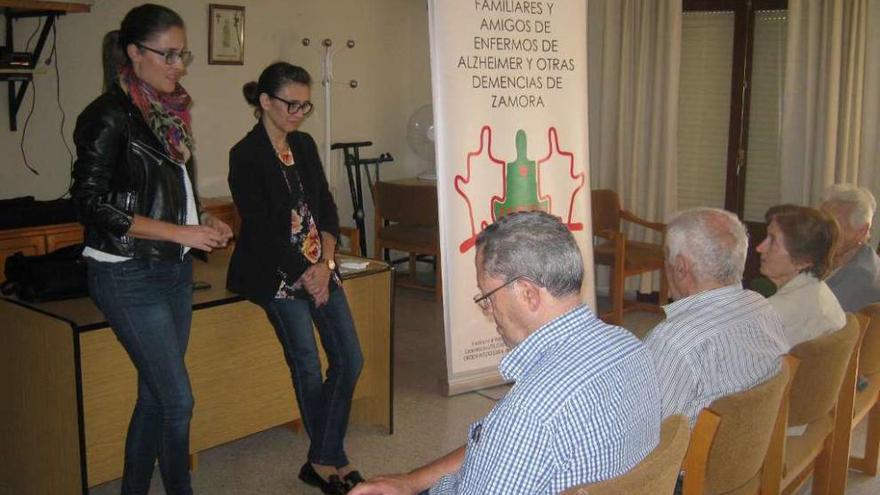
390, 62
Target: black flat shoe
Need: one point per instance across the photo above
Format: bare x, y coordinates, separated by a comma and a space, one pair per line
332, 486
352, 479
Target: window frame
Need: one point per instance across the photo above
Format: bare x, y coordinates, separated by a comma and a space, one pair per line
740, 88
740, 100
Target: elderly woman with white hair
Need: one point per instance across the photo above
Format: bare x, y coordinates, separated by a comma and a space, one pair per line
855, 276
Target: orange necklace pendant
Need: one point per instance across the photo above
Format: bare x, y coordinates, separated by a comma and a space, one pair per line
286, 157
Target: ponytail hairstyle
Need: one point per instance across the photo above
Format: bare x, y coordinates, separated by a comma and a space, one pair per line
272, 79
140, 25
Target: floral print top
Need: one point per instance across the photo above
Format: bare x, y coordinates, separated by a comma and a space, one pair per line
304, 235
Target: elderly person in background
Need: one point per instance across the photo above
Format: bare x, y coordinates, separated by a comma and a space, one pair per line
717, 339
855, 276
796, 256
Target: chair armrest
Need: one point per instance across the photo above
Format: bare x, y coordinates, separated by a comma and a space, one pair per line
632, 217
354, 241
772, 470
697, 457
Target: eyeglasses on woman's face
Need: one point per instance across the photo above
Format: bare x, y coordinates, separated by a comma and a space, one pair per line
294, 106
171, 56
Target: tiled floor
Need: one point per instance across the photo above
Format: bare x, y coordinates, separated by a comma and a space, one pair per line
427, 424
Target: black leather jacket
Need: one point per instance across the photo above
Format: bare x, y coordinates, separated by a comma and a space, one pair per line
122, 170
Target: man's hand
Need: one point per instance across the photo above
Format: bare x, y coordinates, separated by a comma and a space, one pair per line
416, 480
389, 484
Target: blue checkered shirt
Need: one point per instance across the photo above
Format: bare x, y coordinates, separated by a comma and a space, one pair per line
584, 408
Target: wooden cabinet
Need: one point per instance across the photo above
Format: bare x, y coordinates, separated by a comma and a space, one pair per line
47, 238
37, 240
63, 238
28, 244
223, 208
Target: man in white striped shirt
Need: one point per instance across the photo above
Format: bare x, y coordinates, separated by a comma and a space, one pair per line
717, 339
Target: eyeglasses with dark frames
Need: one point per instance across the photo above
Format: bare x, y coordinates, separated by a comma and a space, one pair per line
295, 106
171, 56
483, 301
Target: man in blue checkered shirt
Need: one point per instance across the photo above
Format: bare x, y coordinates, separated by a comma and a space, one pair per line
585, 405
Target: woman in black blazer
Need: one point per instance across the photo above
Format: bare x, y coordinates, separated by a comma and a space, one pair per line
284, 261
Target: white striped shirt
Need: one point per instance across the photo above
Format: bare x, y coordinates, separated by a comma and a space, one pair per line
585, 408
712, 344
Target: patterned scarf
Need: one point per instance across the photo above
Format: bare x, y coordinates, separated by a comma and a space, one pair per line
167, 113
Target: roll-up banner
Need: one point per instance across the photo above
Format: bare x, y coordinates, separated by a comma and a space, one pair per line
509, 81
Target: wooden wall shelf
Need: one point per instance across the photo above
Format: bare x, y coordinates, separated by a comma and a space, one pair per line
12, 74
41, 8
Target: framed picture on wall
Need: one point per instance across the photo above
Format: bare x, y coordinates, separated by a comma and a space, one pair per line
225, 34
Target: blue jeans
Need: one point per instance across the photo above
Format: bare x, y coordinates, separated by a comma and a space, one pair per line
324, 404
148, 303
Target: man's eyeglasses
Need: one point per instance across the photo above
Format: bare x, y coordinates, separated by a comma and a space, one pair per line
295, 106
171, 56
483, 301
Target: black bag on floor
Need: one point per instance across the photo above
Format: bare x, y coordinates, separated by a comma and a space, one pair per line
60, 274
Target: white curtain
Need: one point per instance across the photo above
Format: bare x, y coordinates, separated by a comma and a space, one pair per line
831, 107
634, 57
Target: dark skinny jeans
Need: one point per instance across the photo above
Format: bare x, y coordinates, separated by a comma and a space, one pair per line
324, 404
148, 303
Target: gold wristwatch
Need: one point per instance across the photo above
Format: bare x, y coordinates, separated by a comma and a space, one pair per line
331, 264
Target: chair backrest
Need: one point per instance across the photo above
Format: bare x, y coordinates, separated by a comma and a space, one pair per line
869, 357
407, 204
605, 206
656, 473
746, 425
824, 360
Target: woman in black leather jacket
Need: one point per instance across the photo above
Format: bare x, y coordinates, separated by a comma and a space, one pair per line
134, 194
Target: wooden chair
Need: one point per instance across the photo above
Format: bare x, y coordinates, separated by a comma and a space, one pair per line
352, 243
626, 258
867, 401
656, 473
730, 448
843, 418
825, 375
406, 220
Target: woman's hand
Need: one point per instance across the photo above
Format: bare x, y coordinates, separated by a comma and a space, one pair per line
201, 237
316, 281
220, 226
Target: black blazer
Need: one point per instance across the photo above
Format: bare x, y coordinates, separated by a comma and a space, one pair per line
256, 179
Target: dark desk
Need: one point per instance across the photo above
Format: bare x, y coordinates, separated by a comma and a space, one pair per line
67, 387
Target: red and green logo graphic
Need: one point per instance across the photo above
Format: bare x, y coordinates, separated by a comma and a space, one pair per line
550, 184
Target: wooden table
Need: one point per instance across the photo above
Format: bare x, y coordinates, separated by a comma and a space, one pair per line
67, 387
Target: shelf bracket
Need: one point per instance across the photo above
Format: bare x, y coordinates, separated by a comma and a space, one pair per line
16, 96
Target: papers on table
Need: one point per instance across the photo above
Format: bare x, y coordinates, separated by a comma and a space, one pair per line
353, 266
